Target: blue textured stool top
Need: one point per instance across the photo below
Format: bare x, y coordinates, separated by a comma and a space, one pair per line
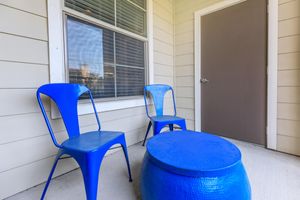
192, 153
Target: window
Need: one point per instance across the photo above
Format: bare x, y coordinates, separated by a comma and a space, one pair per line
105, 44
119, 60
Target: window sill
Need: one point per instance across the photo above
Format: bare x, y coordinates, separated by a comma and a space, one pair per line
85, 108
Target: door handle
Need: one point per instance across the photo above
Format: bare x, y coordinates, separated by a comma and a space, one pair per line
204, 80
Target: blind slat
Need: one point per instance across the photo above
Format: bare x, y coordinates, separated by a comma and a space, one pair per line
100, 9
131, 18
129, 51
141, 3
130, 81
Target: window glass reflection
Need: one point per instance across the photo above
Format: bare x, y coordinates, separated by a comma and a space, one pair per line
87, 52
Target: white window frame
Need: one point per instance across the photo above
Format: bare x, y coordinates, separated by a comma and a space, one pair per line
57, 56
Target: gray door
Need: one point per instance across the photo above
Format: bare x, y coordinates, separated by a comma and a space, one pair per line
233, 60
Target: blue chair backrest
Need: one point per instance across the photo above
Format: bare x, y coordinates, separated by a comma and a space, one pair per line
158, 92
66, 97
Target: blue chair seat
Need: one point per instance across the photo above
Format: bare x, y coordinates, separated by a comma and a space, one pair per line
92, 141
166, 118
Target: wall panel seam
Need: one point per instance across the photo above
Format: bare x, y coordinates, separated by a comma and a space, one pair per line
288, 19
163, 53
290, 52
23, 10
22, 36
13, 61
289, 136
287, 2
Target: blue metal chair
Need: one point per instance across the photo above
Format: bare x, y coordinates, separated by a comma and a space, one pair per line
88, 149
159, 121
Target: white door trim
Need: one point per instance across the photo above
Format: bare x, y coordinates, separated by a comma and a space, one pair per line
272, 65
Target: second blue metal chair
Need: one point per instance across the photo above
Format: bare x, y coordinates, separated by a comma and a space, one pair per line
88, 149
159, 121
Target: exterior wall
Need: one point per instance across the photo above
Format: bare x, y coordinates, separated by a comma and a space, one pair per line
163, 34
26, 149
288, 139
184, 56
163, 41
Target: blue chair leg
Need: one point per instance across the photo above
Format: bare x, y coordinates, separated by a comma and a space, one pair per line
59, 154
157, 127
148, 129
124, 147
90, 166
171, 127
182, 125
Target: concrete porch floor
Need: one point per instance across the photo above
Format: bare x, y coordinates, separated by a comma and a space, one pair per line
273, 176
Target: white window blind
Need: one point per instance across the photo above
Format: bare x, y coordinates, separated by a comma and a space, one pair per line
126, 14
131, 17
130, 62
99, 9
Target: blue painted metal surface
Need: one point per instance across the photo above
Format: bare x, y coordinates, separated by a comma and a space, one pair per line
191, 165
88, 149
157, 92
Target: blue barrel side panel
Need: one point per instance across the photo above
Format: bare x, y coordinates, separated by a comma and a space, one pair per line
159, 184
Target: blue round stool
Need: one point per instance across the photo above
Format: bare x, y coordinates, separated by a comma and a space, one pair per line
191, 165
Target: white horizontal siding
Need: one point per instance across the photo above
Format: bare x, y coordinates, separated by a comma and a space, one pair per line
288, 144
186, 92
188, 114
163, 80
30, 175
289, 77
37, 7
162, 24
25, 24
283, 1
185, 48
289, 61
185, 103
163, 59
20, 49
163, 36
289, 27
289, 44
163, 47
163, 42
185, 81
289, 94
288, 128
19, 75
33, 124
289, 10
185, 70
18, 101
288, 111
25, 151
164, 70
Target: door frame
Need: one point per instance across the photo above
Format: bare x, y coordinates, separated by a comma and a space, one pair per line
271, 126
